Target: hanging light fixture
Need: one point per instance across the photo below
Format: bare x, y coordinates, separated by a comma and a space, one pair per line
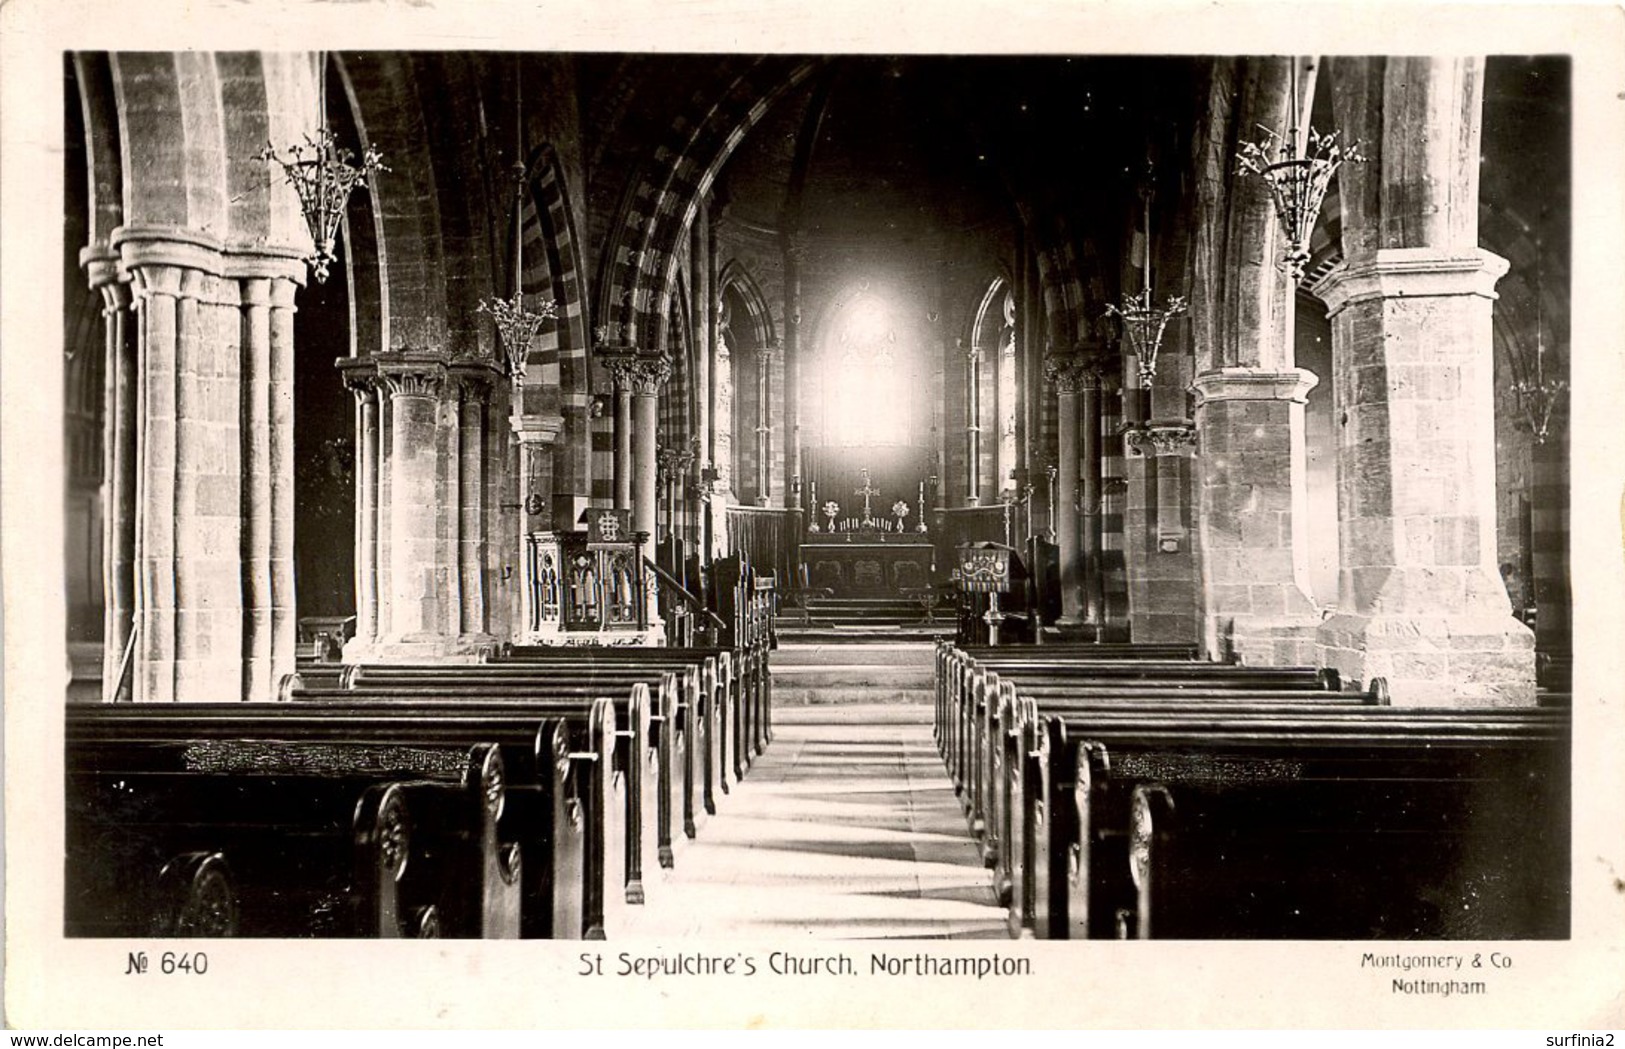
1143, 321
1538, 394
516, 326
1298, 183
323, 174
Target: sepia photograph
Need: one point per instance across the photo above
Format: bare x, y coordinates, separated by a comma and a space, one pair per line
813, 528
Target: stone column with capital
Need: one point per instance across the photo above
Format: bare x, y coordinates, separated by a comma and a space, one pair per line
623, 442
423, 530
764, 423
973, 424
362, 382
1066, 373
211, 431
118, 461
1420, 601
473, 386
643, 374
1157, 548
795, 259
1252, 513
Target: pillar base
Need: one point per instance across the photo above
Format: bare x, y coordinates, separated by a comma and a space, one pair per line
1444, 661
422, 648
1264, 641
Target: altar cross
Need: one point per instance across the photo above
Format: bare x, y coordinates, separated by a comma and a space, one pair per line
867, 491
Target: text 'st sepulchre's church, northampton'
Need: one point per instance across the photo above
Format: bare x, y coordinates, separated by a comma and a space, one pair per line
566, 495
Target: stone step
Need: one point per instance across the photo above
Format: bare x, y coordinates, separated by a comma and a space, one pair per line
792, 695
864, 634
875, 654
853, 674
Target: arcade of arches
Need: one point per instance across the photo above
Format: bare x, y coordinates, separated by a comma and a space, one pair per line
812, 302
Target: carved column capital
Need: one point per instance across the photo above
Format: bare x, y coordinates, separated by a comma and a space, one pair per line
1252, 384
1167, 437
411, 375
536, 430
102, 271
1064, 371
642, 373
360, 377
472, 380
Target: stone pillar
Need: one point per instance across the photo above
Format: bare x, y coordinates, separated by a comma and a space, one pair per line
1549, 552
118, 462
1251, 498
1090, 495
973, 424
154, 681
417, 574
764, 425
642, 375
704, 341
1162, 599
1065, 373
623, 444
1420, 599
424, 529
537, 436
473, 390
364, 386
257, 502
284, 616
212, 600
795, 257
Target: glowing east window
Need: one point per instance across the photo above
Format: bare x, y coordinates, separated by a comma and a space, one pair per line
866, 387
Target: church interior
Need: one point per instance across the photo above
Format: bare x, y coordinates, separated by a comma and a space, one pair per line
606, 495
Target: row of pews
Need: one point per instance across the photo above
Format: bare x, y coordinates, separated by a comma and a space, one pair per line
1135, 791
534, 794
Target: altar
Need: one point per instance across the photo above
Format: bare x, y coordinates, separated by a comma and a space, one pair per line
878, 564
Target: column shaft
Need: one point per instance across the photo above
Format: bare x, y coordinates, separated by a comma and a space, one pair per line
973, 427
1066, 498
764, 426
1089, 560
414, 544
284, 624
258, 504
1420, 598
471, 442
366, 510
1250, 495
645, 493
623, 446
155, 664
118, 535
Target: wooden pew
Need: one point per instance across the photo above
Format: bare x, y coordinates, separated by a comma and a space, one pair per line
1086, 650
280, 828
967, 706
737, 724
554, 796
996, 805
640, 760
657, 729
1112, 845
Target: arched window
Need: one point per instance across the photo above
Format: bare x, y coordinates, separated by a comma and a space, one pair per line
866, 388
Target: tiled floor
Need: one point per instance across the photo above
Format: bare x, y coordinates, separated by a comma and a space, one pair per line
846, 828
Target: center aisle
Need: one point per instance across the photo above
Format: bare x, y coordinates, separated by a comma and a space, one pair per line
846, 828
